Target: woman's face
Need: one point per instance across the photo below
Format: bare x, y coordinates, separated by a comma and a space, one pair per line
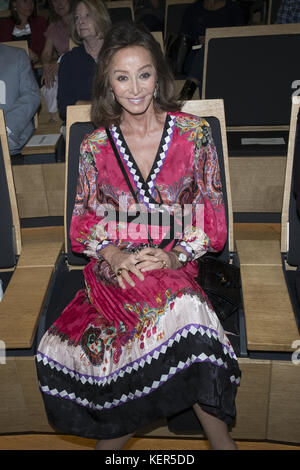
24, 8
84, 23
133, 78
61, 7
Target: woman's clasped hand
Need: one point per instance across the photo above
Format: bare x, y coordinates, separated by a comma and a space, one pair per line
147, 259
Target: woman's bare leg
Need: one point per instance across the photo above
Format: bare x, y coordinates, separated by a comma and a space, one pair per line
113, 444
216, 430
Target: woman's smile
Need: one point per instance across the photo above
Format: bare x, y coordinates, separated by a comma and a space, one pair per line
136, 100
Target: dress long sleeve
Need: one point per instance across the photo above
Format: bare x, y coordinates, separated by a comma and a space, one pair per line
87, 232
207, 229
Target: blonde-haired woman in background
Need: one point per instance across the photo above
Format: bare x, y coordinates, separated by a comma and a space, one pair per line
89, 23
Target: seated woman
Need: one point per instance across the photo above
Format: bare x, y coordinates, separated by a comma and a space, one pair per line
89, 23
141, 342
57, 39
24, 24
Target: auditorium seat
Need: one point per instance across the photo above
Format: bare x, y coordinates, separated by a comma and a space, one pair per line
158, 36
27, 261
254, 70
120, 10
270, 320
290, 220
273, 8
252, 399
271, 308
4, 14
174, 12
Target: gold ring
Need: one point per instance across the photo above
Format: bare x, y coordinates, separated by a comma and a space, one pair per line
164, 264
119, 272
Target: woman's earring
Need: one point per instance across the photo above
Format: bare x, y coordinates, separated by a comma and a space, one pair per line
155, 91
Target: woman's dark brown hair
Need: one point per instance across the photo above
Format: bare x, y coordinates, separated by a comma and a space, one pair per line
105, 109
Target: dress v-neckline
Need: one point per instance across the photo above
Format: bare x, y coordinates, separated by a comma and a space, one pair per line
146, 186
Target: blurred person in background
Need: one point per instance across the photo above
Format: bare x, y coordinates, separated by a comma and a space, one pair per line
57, 39
289, 12
19, 96
25, 24
89, 23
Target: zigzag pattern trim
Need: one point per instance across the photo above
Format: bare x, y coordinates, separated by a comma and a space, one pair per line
147, 358
138, 393
159, 162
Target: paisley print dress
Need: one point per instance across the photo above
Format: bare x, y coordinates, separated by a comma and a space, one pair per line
117, 360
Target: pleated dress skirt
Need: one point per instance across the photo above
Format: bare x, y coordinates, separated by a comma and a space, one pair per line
102, 377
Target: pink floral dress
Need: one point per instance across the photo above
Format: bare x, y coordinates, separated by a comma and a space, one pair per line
117, 360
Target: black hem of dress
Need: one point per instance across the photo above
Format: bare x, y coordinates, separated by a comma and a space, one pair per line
179, 393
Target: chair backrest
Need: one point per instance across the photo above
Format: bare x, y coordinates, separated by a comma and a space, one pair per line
258, 12
253, 68
213, 112
158, 36
5, 13
78, 125
290, 220
174, 12
120, 10
273, 10
10, 233
21, 44
72, 44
